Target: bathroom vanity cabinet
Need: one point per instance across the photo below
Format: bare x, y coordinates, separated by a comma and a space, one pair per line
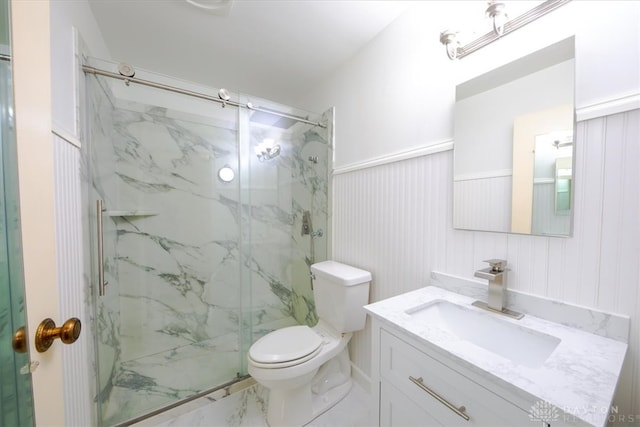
412, 381
414, 385
439, 360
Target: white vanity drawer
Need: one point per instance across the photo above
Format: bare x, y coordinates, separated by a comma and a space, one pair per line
441, 386
397, 410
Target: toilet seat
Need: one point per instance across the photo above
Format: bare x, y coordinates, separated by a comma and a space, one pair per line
285, 347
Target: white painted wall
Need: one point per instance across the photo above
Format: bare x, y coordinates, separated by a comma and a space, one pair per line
605, 71
399, 85
398, 93
65, 16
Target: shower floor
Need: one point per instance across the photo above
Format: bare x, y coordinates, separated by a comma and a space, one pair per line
148, 383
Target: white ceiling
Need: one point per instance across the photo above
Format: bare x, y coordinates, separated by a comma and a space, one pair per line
269, 48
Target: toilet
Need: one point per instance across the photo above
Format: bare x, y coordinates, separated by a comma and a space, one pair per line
307, 369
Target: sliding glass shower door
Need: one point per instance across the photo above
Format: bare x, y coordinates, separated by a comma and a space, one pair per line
289, 163
195, 224
168, 319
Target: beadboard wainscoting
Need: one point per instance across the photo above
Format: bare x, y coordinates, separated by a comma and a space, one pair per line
473, 210
73, 300
395, 220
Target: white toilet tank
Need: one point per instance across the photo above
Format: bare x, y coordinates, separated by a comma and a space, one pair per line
340, 291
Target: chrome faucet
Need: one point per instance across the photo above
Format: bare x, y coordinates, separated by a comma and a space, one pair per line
496, 274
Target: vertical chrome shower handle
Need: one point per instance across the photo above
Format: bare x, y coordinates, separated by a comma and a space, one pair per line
101, 283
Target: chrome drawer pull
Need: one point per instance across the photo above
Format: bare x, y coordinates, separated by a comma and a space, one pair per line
459, 411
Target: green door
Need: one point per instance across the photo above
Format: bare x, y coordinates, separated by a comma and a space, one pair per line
16, 403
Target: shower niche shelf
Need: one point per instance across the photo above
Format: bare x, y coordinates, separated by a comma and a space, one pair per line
129, 213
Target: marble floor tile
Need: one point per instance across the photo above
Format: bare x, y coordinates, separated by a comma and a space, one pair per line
247, 408
355, 410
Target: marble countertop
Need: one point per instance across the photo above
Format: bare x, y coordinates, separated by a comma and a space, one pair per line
579, 377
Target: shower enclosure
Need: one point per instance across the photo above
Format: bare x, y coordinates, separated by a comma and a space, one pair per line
194, 224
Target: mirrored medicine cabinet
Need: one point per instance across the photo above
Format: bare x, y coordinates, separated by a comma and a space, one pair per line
514, 146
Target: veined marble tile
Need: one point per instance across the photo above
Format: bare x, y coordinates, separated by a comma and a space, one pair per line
574, 371
249, 408
609, 325
197, 268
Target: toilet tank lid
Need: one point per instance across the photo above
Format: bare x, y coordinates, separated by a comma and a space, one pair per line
344, 274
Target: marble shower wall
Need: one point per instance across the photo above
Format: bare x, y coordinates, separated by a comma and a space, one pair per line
197, 268
97, 166
310, 185
281, 190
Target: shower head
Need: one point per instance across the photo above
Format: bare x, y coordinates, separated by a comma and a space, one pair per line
267, 150
264, 116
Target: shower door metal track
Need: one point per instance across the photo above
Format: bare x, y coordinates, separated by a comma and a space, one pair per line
151, 414
92, 70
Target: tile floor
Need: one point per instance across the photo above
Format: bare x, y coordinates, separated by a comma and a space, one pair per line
247, 408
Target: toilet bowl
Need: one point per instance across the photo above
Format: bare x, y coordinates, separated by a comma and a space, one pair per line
307, 369
291, 383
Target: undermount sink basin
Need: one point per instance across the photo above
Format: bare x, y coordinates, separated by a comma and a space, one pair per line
488, 331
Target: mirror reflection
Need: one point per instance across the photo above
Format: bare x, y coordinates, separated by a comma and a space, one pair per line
513, 152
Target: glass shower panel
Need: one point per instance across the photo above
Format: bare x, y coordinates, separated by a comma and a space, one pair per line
288, 186
16, 402
211, 217
168, 325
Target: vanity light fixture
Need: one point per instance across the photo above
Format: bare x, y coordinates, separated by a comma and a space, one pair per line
451, 44
501, 27
497, 12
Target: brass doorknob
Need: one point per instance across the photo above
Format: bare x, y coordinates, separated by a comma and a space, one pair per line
47, 333
19, 340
